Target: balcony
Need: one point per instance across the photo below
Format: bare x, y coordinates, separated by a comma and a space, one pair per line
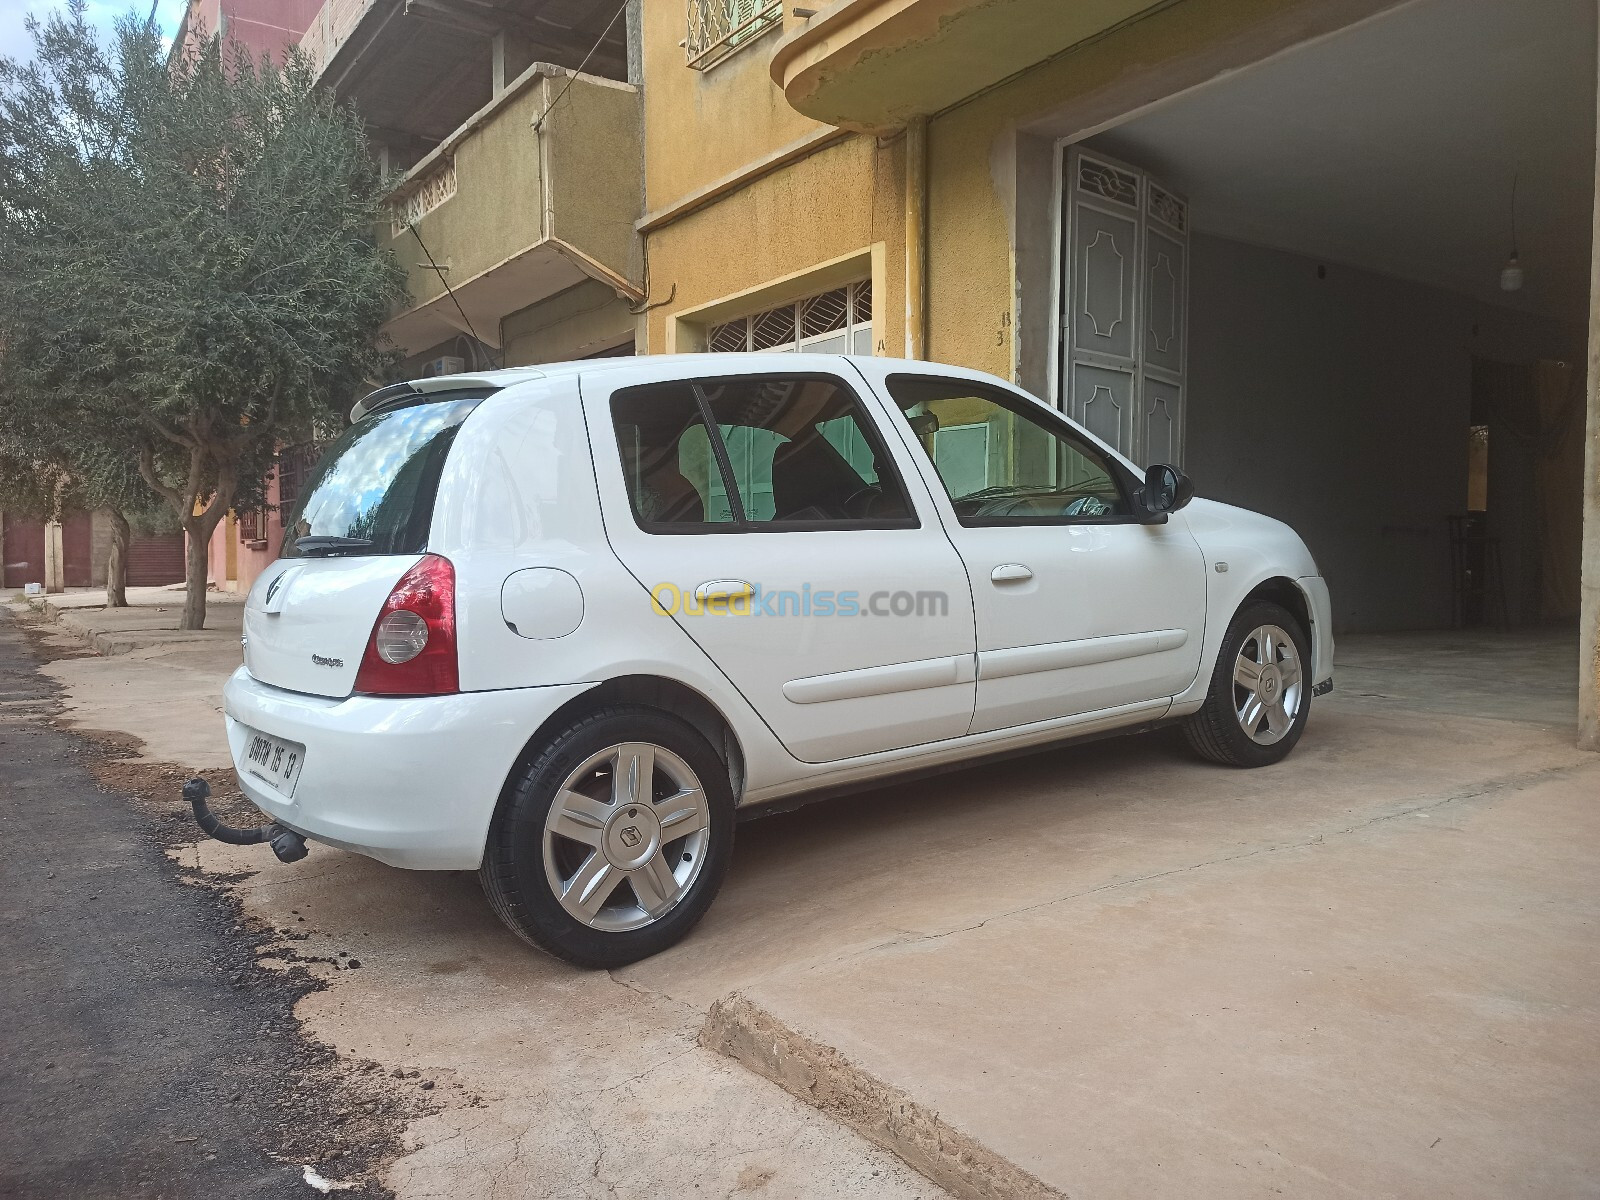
875, 64
417, 69
521, 202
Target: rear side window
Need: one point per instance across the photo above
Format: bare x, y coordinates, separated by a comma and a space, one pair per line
673, 479
372, 492
763, 452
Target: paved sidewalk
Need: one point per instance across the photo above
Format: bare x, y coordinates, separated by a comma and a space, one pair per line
1367, 971
149, 622
148, 679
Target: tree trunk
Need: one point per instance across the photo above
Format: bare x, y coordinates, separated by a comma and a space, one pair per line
117, 562
197, 541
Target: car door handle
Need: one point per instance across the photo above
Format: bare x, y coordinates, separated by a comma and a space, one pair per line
723, 589
1011, 573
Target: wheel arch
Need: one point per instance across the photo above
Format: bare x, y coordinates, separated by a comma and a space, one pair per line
1283, 591
650, 691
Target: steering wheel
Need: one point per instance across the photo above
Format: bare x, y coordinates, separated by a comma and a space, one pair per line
859, 504
1087, 506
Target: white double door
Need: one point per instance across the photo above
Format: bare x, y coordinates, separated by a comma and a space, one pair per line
1124, 284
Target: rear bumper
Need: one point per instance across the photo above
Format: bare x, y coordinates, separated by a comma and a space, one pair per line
410, 782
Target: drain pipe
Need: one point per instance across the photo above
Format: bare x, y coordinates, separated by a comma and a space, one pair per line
916, 198
288, 845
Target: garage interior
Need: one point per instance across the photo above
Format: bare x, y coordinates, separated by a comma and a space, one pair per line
1358, 362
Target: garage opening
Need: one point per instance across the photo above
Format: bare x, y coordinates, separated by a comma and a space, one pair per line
1348, 286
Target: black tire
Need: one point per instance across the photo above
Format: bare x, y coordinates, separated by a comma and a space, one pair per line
1215, 731
513, 873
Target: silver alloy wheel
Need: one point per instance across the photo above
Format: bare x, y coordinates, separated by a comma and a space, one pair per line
632, 814
1268, 685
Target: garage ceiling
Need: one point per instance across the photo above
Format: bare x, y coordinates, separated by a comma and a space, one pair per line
1392, 146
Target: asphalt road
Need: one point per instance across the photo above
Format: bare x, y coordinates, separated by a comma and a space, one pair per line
143, 1049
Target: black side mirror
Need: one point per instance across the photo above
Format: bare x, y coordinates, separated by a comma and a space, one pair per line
1166, 490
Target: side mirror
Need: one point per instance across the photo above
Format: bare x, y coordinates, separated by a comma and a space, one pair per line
1166, 490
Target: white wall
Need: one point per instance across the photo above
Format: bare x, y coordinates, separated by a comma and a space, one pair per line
1341, 404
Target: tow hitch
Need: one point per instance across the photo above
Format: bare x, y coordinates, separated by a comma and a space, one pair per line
288, 845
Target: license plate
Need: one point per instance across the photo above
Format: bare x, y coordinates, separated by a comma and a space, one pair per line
273, 760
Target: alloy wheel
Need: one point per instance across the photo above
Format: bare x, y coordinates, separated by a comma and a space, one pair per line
625, 838
1268, 685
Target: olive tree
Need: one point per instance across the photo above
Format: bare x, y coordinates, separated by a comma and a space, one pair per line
191, 242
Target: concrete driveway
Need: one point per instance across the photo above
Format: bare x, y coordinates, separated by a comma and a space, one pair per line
1371, 970
1105, 971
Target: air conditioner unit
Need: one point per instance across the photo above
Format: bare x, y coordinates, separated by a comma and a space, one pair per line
447, 364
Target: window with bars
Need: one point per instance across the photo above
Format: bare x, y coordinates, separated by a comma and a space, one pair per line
719, 27
834, 322
252, 525
294, 464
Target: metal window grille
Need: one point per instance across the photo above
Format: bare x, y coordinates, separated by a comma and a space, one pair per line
252, 525
1110, 183
294, 464
719, 27
1164, 206
836, 321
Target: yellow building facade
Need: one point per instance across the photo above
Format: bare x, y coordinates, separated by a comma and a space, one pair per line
752, 207
1320, 196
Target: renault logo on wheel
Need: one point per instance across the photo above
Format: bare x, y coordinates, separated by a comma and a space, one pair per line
629, 836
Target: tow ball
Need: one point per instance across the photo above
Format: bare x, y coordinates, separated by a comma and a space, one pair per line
288, 845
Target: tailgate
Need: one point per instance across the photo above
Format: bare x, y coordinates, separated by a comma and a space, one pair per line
307, 620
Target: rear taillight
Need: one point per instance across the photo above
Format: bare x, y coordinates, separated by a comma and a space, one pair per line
412, 650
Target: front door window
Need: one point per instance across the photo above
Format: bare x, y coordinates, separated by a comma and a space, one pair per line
1002, 464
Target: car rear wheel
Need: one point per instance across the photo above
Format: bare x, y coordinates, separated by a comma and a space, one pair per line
1260, 693
614, 840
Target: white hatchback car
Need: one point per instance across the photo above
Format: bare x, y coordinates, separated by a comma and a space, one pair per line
557, 625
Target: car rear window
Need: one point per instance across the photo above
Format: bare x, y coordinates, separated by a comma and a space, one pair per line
377, 483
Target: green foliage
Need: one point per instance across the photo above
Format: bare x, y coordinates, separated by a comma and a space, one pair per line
191, 275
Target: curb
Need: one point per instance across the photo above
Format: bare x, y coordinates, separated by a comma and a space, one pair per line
105, 644
822, 1077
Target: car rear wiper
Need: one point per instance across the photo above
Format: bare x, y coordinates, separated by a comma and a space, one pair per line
330, 544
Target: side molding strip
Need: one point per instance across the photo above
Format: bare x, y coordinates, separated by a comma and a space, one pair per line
881, 681
1056, 656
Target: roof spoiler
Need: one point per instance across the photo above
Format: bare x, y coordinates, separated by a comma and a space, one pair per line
397, 392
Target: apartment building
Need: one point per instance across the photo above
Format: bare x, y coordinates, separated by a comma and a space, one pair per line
511, 133
1270, 240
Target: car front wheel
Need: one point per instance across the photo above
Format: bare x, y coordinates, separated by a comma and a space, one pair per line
1260, 694
614, 840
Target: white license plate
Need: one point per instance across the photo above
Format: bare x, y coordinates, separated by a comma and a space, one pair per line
273, 760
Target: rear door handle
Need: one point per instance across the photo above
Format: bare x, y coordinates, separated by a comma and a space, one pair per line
723, 589
1011, 573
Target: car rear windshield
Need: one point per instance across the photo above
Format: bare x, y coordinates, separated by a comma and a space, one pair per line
373, 490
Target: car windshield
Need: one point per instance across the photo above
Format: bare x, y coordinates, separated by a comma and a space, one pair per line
373, 491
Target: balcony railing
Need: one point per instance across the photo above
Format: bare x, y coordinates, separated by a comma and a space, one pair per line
421, 196
719, 27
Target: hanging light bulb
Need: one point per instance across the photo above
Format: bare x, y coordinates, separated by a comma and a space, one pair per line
1511, 275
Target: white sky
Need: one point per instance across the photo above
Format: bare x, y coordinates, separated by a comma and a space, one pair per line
14, 39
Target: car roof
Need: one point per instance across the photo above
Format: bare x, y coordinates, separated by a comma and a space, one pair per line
729, 362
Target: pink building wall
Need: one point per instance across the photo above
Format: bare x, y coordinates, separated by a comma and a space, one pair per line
260, 26
249, 559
